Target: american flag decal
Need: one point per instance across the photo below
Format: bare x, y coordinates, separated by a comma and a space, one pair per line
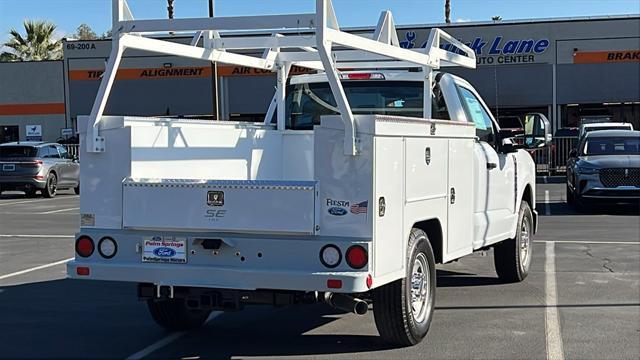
359, 208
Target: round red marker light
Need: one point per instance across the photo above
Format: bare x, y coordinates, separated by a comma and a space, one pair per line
357, 257
84, 246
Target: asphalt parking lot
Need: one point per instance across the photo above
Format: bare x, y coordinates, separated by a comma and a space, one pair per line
580, 301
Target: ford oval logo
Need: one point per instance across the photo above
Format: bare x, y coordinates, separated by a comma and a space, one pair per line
164, 252
337, 211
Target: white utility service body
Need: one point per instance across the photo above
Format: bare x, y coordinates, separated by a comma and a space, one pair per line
353, 205
279, 188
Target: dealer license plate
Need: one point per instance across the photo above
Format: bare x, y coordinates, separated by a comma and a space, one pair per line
165, 249
8, 167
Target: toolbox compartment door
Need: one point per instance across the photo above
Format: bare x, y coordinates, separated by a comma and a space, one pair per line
240, 206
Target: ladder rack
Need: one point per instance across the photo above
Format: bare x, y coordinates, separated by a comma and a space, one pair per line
313, 50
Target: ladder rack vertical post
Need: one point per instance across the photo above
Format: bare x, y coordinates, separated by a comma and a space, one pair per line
109, 76
428, 92
325, 16
281, 94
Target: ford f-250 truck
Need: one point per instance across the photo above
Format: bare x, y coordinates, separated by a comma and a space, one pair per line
356, 185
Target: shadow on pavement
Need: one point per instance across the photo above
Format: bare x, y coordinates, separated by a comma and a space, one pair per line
87, 319
562, 208
460, 279
73, 319
274, 333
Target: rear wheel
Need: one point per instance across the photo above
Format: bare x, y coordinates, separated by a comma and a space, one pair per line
172, 314
51, 188
30, 193
77, 190
512, 258
403, 309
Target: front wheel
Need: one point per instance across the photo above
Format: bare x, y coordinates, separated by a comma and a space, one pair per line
512, 258
403, 309
172, 314
570, 196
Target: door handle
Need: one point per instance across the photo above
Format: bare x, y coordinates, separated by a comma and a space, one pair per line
491, 166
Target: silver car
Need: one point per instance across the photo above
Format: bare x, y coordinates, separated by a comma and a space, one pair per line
32, 166
605, 166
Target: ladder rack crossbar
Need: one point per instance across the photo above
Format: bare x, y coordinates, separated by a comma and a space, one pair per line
319, 45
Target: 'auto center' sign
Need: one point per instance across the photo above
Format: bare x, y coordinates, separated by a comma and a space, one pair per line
494, 50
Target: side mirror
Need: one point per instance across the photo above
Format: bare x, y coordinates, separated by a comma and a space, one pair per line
537, 131
573, 153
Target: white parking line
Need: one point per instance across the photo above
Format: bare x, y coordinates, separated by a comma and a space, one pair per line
547, 206
22, 272
165, 341
35, 236
551, 320
57, 211
37, 200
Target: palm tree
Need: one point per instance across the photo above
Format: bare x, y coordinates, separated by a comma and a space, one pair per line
38, 44
447, 11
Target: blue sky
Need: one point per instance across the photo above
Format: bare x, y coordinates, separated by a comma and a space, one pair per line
68, 14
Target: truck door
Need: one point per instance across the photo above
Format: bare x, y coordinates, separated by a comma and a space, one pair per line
494, 173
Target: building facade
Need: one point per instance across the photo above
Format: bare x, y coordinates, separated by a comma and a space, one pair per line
569, 69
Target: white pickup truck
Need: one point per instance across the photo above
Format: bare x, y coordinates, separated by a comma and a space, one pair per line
363, 181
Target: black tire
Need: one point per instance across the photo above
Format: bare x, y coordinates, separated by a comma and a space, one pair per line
570, 196
172, 314
512, 257
77, 190
392, 303
51, 188
30, 193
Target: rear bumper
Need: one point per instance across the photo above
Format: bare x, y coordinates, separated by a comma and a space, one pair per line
21, 183
221, 278
242, 262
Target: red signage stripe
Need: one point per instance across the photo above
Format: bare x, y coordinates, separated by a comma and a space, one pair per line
32, 109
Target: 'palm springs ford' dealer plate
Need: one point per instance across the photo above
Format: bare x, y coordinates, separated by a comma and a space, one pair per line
165, 249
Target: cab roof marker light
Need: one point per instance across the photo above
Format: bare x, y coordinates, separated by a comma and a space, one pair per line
363, 76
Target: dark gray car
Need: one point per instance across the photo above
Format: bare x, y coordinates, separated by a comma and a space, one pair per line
33, 166
605, 166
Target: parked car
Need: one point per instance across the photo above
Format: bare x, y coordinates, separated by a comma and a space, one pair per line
605, 166
33, 166
588, 127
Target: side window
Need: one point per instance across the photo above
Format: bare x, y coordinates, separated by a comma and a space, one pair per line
479, 115
63, 152
43, 152
439, 108
53, 152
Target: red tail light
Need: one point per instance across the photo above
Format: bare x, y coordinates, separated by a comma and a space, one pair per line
83, 271
357, 257
84, 246
334, 284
